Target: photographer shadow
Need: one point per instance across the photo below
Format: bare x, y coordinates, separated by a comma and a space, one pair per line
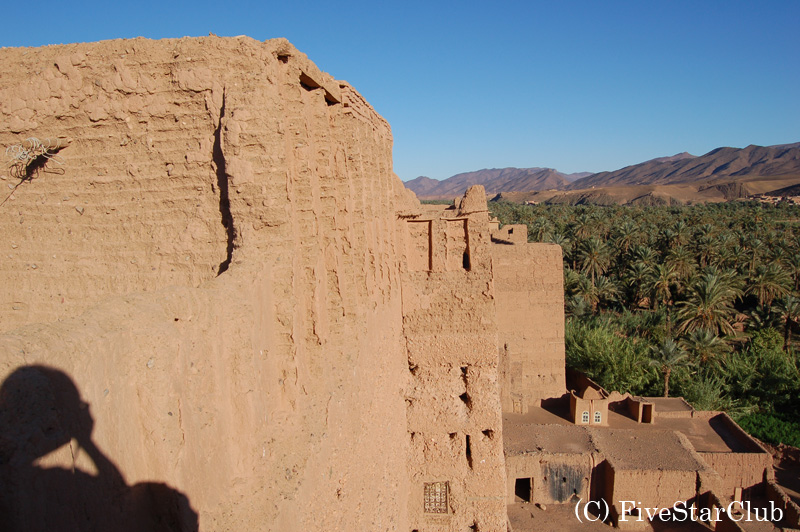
42, 411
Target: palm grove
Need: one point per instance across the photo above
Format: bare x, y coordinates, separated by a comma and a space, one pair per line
700, 302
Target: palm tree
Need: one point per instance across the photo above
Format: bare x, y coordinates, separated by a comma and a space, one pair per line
582, 227
560, 239
539, 228
710, 304
762, 318
681, 231
571, 280
587, 290
737, 254
626, 234
635, 278
788, 309
606, 290
667, 357
755, 246
594, 257
793, 266
646, 254
682, 261
659, 284
667, 240
706, 249
704, 346
768, 283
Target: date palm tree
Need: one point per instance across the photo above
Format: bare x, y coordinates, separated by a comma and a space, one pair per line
704, 346
582, 226
793, 266
625, 236
667, 357
710, 304
707, 251
681, 231
539, 228
571, 281
559, 238
578, 307
659, 285
682, 262
788, 309
594, 257
635, 279
645, 254
768, 282
606, 290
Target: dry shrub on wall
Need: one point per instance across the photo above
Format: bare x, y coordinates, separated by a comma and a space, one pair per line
32, 154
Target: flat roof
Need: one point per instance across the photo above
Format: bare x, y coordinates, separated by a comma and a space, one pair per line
520, 438
630, 449
668, 404
706, 434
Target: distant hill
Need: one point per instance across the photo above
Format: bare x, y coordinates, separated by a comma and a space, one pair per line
495, 180
792, 190
720, 175
716, 166
673, 158
577, 175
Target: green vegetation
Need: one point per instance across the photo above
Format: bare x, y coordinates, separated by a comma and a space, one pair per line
701, 302
437, 202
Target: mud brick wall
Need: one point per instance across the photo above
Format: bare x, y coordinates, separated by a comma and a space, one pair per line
454, 415
225, 214
529, 293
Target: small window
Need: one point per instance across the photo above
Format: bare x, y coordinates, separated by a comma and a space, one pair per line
435, 497
585, 417
598, 417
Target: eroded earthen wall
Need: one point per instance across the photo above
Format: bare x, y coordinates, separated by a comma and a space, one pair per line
529, 293
456, 466
651, 488
272, 393
738, 470
549, 477
132, 203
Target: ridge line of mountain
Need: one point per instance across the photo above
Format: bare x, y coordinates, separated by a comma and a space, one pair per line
720, 165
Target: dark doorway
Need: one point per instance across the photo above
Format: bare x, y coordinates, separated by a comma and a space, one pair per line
522, 489
647, 413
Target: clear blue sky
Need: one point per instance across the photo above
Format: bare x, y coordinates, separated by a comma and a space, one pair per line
573, 85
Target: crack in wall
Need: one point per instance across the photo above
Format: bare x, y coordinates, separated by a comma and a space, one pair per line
218, 157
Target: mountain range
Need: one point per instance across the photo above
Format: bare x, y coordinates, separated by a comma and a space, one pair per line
721, 174
495, 180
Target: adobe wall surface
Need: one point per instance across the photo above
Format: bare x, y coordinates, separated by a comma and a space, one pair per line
775, 493
554, 477
454, 415
651, 488
164, 135
271, 395
738, 470
529, 290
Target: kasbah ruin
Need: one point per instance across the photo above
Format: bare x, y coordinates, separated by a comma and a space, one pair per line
223, 311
